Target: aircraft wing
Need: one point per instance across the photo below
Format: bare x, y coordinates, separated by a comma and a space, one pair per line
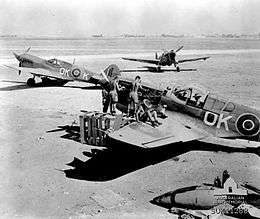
40, 72
176, 128
146, 136
155, 62
232, 143
155, 69
193, 59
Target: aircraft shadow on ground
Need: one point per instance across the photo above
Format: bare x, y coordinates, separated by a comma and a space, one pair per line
24, 86
119, 159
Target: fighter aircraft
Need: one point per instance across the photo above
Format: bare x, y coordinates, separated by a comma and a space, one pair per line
54, 71
212, 200
193, 114
167, 58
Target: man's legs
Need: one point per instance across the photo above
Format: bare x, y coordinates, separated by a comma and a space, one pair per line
154, 115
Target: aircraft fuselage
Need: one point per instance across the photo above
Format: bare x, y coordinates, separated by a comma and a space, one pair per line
221, 117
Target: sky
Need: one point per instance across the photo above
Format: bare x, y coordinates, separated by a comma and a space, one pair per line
114, 17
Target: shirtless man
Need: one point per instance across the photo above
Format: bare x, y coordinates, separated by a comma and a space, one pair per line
146, 111
113, 94
133, 95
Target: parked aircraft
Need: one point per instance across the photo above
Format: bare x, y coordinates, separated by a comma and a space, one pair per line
55, 71
167, 58
194, 114
212, 200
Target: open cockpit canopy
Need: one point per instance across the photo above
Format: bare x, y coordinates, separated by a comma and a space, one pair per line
191, 95
200, 97
59, 63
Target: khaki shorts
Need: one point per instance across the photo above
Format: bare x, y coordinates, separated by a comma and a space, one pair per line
113, 96
133, 97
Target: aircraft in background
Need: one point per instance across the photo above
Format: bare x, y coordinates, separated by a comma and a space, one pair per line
55, 71
224, 199
167, 58
193, 115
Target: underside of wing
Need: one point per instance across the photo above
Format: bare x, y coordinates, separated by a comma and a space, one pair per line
155, 62
40, 72
193, 59
146, 136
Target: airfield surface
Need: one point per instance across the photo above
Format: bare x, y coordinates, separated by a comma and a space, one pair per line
46, 172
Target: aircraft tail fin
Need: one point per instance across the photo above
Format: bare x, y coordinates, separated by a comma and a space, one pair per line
111, 72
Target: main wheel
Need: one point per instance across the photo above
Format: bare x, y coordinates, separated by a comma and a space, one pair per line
31, 82
178, 69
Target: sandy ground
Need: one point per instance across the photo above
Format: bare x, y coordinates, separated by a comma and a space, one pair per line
101, 182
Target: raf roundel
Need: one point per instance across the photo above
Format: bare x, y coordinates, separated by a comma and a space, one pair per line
76, 72
248, 124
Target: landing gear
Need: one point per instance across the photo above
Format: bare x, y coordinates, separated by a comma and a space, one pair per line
51, 82
178, 69
46, 81
31, 82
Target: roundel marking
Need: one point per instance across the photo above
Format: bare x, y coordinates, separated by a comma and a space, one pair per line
248, 124
76, 72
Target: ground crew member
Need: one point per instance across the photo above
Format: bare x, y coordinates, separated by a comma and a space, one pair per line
133, 100
113, 94
146, 111
105, 100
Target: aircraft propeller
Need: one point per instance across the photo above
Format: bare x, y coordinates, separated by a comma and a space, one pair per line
27, 50
19, 58
177, 50
20, 65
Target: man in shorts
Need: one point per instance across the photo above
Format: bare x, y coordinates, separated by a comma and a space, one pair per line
147, 112
133, 99
113, 94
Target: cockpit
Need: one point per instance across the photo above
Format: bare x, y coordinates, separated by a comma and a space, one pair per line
199, 97
54, 61
192, 95
59, 63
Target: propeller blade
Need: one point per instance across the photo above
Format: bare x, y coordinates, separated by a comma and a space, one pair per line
156, 55
20, 65
16, 56
73, 61
28, 50
177, 50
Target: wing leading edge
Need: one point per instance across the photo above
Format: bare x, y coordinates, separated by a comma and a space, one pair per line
194, 59
155, 62
156, 70
40, 72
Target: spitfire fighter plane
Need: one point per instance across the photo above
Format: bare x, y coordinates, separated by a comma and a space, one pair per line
193, 115
225, 199
54, 71
167, 58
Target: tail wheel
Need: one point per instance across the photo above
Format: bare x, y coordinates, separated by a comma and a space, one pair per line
31, 82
